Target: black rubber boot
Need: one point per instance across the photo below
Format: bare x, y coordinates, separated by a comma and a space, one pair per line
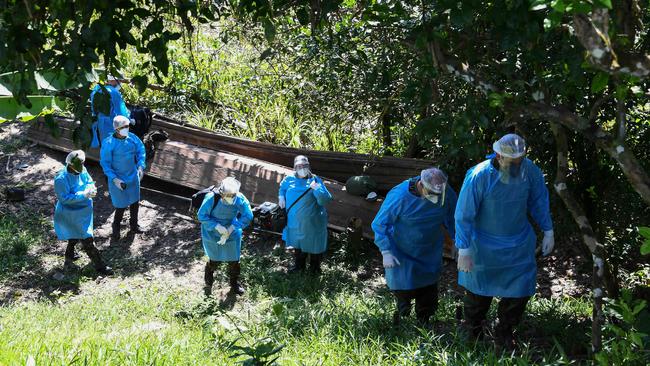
234, 270
70, 254
133, 218
314, 264
299, 261
96, 259
504, 339
117, 223
210, 267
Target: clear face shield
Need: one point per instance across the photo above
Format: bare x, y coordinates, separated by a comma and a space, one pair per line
510, 169
436, 196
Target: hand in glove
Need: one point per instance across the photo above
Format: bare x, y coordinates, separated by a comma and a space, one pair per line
231, 228
90, 192
465, 262
221, 230
140, 173
314, 185
389, 259
118, 183
282, 202
548, 242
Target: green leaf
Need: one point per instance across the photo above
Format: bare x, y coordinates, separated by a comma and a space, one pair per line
41, 104
141, 82
269, 30
599, 82
605, 3
645, 248
496, 100
644, 231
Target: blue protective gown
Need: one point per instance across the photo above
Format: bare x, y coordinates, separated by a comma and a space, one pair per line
104, 122
409, 226
492, 220
307, 220
121, 158
73, 215
225, 215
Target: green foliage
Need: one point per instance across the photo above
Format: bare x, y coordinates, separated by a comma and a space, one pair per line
18, 234
645, 233
625, 344
262, 352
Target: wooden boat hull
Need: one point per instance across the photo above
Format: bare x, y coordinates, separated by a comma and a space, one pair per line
386, 171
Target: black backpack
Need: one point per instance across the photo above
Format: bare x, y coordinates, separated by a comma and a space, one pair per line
198, 197
143, 118
269, 216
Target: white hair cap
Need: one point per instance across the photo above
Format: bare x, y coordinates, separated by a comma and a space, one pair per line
510, 146
79, 154
229, 185
300, 159
110, 77
433, 179
120, 121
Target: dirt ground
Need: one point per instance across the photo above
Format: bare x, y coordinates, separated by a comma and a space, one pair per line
170, 249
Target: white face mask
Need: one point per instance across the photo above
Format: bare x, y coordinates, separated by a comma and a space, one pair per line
302, 172
229, 200
123, 132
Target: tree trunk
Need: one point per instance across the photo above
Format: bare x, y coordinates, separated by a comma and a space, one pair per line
588, 235
386, 124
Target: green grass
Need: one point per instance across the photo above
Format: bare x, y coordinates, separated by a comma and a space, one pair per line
334, 320
18, 234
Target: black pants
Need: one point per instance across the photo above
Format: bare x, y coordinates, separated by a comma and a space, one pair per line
88, 246
426, 302
509, 311
234, 270
133, 218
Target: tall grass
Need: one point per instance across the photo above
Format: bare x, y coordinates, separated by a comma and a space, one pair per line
225, 87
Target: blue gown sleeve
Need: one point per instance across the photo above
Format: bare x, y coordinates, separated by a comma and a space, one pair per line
449, 223
385, 219
323, 196
63, 193
118, 104
140, 153
205, 211
246, 214
106, 160
282, 192
467, 207
538, 204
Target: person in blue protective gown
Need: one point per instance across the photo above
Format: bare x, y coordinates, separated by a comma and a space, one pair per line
408, 231
73, 215
223, 217
495, 240
122, 157
305, 196
103, 125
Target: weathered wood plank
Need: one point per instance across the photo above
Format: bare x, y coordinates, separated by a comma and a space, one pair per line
386, 171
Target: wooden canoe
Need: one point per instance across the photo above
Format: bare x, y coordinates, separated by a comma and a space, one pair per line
386, 171
197, 167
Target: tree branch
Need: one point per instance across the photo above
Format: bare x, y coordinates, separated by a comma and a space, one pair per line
588, 235
592, 32
630, 166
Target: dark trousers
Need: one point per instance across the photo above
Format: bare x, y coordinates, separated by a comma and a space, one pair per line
133, 218
426, 302
234, 270
509, 311
88, 246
